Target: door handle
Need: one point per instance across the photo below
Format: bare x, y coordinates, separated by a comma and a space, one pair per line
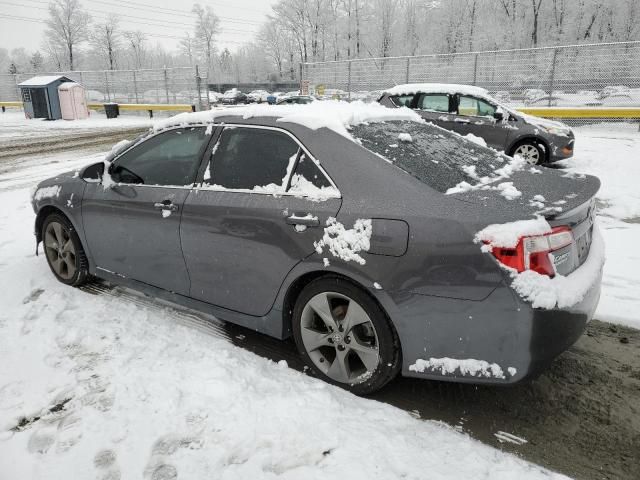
166, 205
307, 220
461, 120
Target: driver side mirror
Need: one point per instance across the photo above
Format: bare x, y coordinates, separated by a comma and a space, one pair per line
499, 116
93, 173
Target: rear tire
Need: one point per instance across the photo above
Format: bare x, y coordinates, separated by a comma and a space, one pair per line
63, 250
351, 342
530, 151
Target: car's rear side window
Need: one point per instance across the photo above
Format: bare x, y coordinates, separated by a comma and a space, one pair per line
402, 100
435, 102
434, 156
246, 158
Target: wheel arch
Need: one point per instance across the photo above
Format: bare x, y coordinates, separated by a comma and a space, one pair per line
296, 286
42, 214
534, 139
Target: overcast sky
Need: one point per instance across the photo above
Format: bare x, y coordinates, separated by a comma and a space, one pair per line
159, 19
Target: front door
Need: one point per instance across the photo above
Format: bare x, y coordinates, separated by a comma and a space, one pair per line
261, 207
477, 117
133, 225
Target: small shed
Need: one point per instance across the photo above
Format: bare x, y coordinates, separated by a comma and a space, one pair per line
40, 96
73, 103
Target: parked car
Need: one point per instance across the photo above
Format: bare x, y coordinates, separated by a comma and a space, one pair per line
502, 96
470, 110
533, 94
272, 98
613, 90
215, 97
296, 99
257, 96
233, 97
261, 221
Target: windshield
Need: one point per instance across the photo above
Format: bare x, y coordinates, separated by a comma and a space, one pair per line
434, 156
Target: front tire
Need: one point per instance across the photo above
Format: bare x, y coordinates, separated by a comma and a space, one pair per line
530, 151
345, 337
64, 252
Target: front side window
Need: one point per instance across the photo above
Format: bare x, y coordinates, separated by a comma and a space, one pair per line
435, 102
170, 158
402, 100
471, 106
251, 159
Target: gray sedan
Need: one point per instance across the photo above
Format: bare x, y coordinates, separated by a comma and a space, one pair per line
364, 251
471, 110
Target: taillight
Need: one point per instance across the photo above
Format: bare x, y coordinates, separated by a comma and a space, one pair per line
532, 253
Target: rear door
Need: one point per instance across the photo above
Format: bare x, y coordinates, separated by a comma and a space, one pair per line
261, 205
133, 226
437, 108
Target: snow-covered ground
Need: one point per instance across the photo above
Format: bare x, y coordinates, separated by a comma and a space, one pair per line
13, 124
114, 389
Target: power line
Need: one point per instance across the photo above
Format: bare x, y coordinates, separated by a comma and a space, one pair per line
150, 34
156, 23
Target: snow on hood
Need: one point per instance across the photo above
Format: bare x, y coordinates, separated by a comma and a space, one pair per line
557, 128
333, 114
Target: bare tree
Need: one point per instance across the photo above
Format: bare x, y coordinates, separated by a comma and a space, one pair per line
535, 7
67, 26
36, 62
272, 41
207, 27
187, 47
137, 45
105, 39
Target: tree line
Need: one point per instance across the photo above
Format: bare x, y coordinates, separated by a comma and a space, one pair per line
323, 30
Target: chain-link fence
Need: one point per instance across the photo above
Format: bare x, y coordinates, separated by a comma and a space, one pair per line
164, 85
564, 76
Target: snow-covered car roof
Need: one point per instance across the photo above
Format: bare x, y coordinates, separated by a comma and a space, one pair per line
333, 114
450, 88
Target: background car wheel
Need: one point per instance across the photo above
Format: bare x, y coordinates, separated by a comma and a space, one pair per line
63, 250
530, 151
345, 337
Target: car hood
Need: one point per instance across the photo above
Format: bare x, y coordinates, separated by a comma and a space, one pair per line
534, 191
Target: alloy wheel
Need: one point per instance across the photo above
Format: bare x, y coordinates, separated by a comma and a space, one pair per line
530, 153
60, 250
339, 337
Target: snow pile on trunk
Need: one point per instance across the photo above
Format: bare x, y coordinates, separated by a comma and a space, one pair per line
333, 114
541, 290
484, 183
562, 291
465, 367
346, 243
475, 139
507, 235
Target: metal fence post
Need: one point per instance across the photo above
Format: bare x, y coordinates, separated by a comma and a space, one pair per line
475, 70
349, 80
552, 76
106, 86
166, 85
300, 76
135, 86
200, 105
408, 71
18, 92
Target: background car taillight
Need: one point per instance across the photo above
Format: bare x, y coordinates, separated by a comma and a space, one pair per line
532, 253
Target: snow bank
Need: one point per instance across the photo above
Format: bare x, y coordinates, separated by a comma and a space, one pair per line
346, 243
465, 367
475, 139
333, 114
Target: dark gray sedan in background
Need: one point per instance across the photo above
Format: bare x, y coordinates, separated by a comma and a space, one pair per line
352, 247
468, 110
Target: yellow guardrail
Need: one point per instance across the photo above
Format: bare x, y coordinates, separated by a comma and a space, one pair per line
10, 105
582, 112
179, 107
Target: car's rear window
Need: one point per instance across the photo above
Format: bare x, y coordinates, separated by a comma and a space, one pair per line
434, 156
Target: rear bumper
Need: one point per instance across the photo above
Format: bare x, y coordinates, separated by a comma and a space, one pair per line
501, 330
